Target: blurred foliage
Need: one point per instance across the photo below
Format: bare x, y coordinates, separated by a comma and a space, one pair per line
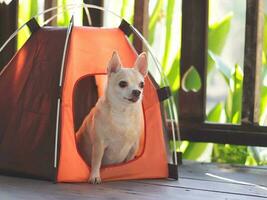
27, 10
30, 8
217, 35
153, 19
169, 23
230, 154
228, 111
63, 19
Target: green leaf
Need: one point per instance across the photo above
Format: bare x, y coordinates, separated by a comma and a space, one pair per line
217, 36
197, 151
218, 33
263, 102
174, 74
154, 18
259, 154
263, 105
237, 90
184, 145
230, 154
124, 8
264, 61
250, 161
234, 99
229, 106
33, 8
253, 152
169, 19
64, 18
215, 115
221, 66
191, 80
24, 11
216, 152
265, 37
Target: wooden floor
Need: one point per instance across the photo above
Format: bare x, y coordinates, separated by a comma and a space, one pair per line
197, 181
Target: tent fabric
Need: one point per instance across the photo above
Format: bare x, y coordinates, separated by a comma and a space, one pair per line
89, 51
28, 93
85, 95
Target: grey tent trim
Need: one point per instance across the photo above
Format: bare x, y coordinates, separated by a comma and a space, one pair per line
60, 88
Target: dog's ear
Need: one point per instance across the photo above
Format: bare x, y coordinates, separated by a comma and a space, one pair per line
141, 64
114, 64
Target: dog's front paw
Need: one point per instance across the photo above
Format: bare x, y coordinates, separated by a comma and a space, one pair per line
95, 180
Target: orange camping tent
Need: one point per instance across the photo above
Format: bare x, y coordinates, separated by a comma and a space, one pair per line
50, 85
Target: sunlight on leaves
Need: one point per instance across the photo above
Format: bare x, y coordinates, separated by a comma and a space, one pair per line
63, 18
221, 66
217, 114
265, 36
198, 151
217, 36
174, 74
155, 17
225, 153
169, 24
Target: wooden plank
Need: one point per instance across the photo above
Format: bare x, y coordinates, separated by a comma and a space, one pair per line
14, 188
194, 53
96, 15
140, 22
212, 186
252, 61
49, 4
8, 24
224, 178
197, 171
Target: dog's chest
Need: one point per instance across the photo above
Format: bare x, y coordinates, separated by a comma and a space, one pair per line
117, 149
121, 136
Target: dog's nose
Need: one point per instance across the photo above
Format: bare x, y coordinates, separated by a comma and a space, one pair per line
136, 93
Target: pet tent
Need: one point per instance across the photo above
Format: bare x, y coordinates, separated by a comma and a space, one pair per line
50, 85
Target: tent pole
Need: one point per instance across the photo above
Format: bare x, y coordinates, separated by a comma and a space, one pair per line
59, 96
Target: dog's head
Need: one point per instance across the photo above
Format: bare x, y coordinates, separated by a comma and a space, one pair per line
126, 84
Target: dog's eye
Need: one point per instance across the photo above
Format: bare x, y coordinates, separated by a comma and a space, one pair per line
141, 84
123, 84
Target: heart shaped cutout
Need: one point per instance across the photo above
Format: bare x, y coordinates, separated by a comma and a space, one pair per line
191, 81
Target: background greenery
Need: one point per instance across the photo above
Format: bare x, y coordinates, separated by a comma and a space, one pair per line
162, 14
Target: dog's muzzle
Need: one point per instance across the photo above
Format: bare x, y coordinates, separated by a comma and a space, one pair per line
135, 96
136, 93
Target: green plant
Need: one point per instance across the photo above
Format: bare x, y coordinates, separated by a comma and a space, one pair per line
64, 18
228, 111
217, 35
29, 9
155, 17
231, 109
26, 10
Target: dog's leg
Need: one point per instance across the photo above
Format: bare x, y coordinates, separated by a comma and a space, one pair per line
132, 152
97, 155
